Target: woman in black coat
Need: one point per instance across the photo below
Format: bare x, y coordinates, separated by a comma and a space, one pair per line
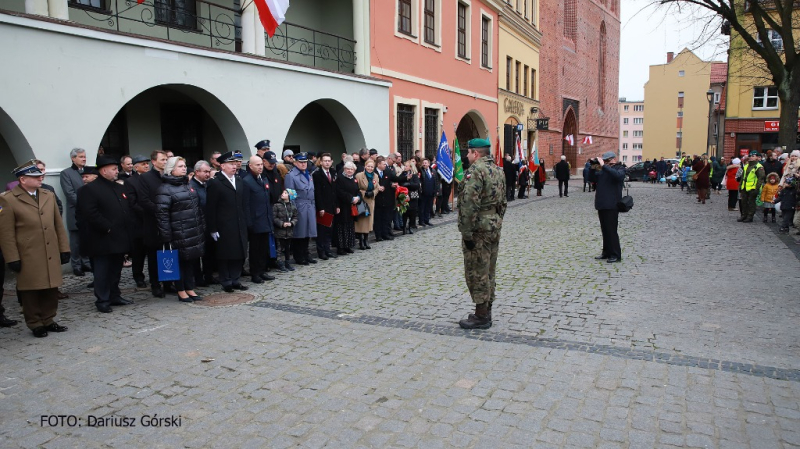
347, 194
539, 178
410, 180
180, 223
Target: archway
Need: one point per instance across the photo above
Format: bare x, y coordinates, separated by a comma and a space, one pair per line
510, 134
471, 126
187, 120
327, 126
570, 129
14, 148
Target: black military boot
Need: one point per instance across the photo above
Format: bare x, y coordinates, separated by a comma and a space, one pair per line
479, 320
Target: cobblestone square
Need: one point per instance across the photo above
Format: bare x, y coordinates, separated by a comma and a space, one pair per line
691, 341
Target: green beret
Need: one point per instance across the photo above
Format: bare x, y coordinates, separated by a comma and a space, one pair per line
479, 143
754, 153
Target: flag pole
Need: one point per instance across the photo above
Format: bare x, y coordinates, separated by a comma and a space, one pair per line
452, 204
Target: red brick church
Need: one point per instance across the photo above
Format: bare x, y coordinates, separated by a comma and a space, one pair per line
579, 89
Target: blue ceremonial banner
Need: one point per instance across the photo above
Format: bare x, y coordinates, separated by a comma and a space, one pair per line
443, 162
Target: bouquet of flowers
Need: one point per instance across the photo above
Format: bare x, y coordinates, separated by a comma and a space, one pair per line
401, 199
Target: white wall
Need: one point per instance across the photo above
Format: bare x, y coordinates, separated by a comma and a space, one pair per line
62, 85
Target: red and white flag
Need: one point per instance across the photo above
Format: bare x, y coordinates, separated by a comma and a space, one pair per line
272, 13
587, 140
570, 139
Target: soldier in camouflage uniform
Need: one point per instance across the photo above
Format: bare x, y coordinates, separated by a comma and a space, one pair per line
481, 206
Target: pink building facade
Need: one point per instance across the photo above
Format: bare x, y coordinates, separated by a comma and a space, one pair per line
441, 57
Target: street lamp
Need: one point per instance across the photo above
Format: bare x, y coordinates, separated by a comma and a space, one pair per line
710, 97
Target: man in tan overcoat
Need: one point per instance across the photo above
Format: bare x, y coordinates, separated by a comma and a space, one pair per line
35, 245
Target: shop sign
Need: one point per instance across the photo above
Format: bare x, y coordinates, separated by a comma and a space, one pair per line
775, 125
543, 124
514, 107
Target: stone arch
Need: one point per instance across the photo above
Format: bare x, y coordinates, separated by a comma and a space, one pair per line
472, 125
182, 118
14, 147
570, 128
324, 125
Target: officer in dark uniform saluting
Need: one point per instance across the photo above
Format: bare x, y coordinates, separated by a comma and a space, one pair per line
35, 245
227, 219
481, 207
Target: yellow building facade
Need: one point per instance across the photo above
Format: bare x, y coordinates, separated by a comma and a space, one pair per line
676, 117
519, 45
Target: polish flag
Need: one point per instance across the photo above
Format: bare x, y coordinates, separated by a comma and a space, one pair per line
587, 140
570, 139
272, 13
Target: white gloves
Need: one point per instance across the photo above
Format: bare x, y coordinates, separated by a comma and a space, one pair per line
215, 236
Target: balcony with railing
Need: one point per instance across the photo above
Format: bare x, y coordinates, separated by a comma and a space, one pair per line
194, 22
303, 45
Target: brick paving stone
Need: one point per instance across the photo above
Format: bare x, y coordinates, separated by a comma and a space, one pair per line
581, 353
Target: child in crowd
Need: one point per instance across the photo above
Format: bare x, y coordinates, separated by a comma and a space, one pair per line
285, 219
788, 199
768, 194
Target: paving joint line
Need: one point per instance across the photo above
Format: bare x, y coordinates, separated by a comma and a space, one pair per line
786, 374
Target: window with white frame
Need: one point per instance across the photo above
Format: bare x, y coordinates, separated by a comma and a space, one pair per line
765, 98
637, 146
486, 42
624, 158
638, 108
625, 108
624, 146
681, 73
625, 121
404, 16
680, 113
463, 16
430, 22
717, 97
638, 120
624, 133
638, 133
774, 38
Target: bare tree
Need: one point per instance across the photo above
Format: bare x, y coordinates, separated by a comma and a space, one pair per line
754, 26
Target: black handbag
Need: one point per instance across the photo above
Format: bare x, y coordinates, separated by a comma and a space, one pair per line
626, 203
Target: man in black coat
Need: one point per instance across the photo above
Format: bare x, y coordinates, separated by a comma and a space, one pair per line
384, 200
429, 188
325, 203
510, 172
609, 178
146, 189
104, 219
275, 187
260, 219
227, 221
138, 253
204, 273
562, 174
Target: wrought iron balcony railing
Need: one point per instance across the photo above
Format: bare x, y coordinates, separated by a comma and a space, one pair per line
302, 45
196, 22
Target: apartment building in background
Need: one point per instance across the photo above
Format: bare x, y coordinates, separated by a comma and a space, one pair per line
631, 131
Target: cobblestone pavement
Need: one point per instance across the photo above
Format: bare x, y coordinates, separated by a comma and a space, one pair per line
677, 346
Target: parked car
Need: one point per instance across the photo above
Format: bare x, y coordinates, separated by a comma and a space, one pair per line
637, 172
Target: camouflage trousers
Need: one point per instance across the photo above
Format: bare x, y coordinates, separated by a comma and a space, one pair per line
479, 266
748, 205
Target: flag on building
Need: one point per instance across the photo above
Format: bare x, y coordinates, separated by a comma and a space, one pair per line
587, 140
459, 170
570, 139
443, 161
272, 14
498, 155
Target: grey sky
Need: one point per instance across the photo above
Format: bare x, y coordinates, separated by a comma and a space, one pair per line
648, 34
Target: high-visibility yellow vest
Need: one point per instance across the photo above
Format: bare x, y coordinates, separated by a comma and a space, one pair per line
749, 178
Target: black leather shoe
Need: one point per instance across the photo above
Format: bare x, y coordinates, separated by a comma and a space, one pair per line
322, 256
310, 260
257, 280
186, 299
55, 327
40, 332
228, 289
302, 262
104, 309
121, 302
378, 239
78, 273
196, 297
5, 322
240, 287
331, 255
86, 268
158, 292
740, 219
141, 284
613, 260
388, 237
429, 224
349, 250
267, 277
601, 257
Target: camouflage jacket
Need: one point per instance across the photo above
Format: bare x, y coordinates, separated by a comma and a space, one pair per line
482, 198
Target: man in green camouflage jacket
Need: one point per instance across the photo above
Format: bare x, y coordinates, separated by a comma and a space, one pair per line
481, 206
